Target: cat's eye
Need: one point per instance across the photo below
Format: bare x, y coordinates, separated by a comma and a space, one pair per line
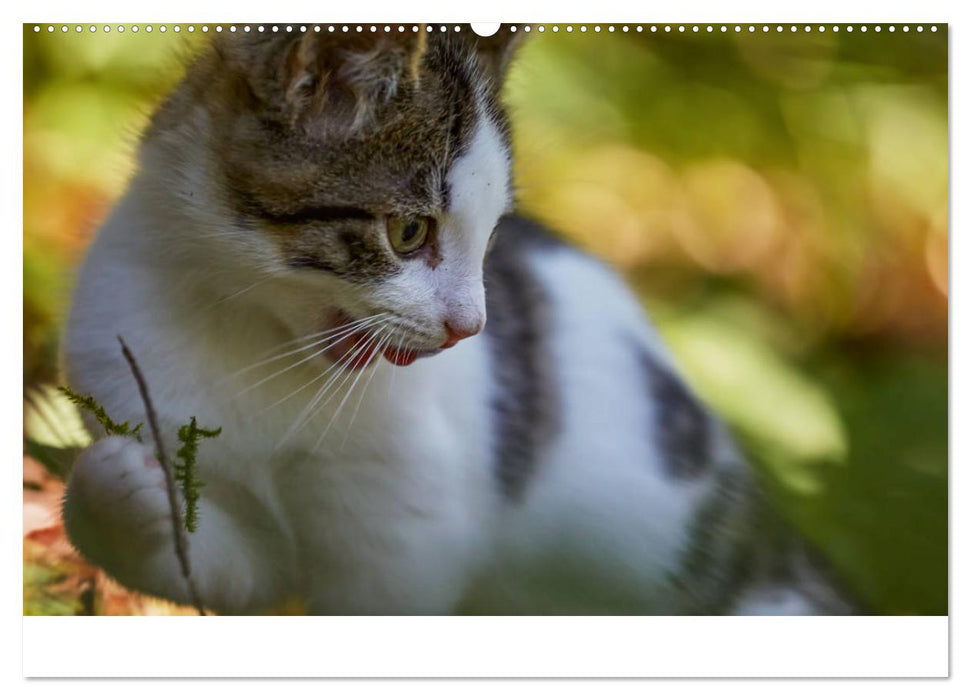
407, 235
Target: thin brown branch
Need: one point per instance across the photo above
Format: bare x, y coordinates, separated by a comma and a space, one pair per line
181, 541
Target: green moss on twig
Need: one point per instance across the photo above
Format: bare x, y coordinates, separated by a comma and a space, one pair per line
98, 411
185, 469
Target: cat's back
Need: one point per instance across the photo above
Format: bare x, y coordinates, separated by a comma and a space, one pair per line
623, 492
603, 453
574, 356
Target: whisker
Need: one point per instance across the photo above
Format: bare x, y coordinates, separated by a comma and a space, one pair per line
316, 379
327, 394
340, 406
221, 234
322, 337
385, 342
335, 329
394, 367
199, 312
331, 343
235, 294
306, 414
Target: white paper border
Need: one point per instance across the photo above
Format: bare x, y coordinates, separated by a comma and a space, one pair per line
481, 647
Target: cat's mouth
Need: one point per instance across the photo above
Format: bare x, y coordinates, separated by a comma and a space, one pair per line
357, 349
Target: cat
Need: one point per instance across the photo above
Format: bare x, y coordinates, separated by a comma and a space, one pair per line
429, 404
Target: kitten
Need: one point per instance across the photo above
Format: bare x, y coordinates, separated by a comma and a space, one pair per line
307, 257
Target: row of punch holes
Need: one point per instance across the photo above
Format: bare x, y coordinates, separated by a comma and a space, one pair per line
541, 28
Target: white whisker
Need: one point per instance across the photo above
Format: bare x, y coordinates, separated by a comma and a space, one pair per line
382, 345
322, 337
306, 414
234, 295
394, 367
332, 342
332, 368
337, 411
329, 331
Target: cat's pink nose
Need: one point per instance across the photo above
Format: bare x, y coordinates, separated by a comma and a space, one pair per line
455, 333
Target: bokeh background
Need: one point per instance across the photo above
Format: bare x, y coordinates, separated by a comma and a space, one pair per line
779, 200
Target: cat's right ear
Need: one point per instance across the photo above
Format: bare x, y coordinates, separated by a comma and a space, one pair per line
334, 82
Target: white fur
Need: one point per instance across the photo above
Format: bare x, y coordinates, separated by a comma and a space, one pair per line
602, 515
391, 506
774, 601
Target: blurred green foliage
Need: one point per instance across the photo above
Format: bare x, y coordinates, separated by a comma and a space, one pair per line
779, 200
38, 600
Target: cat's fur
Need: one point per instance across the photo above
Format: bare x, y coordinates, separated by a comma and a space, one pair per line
554, 463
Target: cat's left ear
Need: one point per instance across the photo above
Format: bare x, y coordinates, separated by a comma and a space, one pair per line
496, 52
331, 81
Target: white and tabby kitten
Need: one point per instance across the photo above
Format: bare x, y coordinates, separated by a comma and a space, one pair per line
307, 257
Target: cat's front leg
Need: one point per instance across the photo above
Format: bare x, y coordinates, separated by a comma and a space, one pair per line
117, 514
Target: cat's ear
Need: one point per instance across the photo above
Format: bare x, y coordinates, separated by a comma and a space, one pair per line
331, 81
496, 52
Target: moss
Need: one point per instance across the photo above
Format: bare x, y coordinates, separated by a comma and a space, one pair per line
98, 411
185, 469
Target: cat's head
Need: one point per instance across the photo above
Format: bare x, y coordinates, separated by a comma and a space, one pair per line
366, 172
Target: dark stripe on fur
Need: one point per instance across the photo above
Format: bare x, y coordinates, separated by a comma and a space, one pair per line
525, 403
682, 428
713, 569
739, 545
311, 215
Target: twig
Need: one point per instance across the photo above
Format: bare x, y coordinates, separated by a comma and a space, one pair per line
181, 542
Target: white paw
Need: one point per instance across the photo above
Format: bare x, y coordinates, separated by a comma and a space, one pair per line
118, 487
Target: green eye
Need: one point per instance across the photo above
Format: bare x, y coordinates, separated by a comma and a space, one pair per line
408, 235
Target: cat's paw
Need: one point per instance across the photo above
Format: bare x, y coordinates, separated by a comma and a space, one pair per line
116, 498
